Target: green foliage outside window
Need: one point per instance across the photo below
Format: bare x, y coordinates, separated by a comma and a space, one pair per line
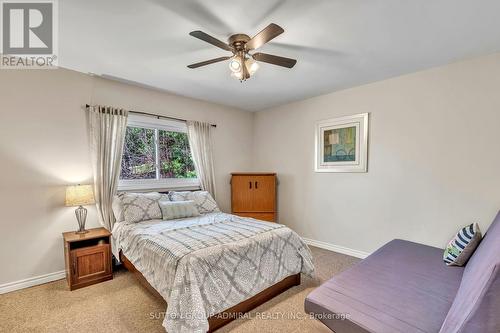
139, 154
175, 155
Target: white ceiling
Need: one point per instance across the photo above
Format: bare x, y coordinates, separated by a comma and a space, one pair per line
338, 43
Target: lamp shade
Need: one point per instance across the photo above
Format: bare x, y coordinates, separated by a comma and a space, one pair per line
79, 195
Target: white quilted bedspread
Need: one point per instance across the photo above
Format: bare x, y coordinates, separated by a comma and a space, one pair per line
207, 264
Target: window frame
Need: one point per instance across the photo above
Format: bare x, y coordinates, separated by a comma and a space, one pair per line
158, 183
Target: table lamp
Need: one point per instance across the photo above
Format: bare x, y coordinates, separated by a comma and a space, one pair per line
80, 195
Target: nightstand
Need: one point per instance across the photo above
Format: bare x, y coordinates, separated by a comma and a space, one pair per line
87, 257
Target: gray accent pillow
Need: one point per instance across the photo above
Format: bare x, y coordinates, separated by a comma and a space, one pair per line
203, 200
172, 210
139, 207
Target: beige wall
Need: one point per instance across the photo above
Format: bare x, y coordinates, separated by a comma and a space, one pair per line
434, 158
44, 146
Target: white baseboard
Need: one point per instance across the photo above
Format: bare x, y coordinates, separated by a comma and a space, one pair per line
30, 282
34, 281
336, 248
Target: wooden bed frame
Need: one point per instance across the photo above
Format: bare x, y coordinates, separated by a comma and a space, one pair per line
225, 317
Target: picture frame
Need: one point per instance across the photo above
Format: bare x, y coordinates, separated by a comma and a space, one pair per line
341, 144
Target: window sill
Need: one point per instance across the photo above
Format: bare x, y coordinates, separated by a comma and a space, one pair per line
162, 185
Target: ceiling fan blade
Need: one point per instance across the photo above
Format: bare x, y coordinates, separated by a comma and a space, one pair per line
269, 32
209, 39
208, 62
275, 60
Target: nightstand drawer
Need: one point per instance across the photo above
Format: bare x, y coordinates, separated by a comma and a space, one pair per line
90, 264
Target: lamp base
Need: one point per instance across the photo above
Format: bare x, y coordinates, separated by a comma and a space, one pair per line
81, 216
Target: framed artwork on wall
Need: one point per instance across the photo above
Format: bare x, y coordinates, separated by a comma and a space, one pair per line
342, 144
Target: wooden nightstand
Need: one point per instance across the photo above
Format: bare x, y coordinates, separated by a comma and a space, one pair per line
87, 257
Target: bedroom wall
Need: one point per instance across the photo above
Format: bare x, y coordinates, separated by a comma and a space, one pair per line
44, 146
434, 158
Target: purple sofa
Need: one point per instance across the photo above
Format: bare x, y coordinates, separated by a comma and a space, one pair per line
406, 287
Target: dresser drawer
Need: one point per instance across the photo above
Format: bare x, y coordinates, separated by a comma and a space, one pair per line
270, 217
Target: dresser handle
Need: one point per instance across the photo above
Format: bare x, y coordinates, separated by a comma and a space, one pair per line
250, 185
256, 185
74, 267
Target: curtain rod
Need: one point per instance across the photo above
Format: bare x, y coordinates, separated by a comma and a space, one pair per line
154, 115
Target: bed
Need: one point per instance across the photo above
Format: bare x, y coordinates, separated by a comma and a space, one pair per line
211, 268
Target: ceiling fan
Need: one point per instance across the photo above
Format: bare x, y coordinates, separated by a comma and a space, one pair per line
242, 63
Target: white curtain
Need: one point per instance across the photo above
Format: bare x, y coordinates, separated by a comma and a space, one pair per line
107, 127
200, 141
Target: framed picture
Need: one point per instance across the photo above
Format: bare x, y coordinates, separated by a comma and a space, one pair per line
342, 144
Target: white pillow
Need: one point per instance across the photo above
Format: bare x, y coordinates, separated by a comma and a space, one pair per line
117, 207
172, 210
203, 200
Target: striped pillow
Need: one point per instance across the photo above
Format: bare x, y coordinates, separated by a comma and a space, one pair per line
172, 210
461, 247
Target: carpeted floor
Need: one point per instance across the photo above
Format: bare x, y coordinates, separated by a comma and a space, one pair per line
123, 305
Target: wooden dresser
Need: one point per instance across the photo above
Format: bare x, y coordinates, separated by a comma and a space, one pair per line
254, 195
88, 257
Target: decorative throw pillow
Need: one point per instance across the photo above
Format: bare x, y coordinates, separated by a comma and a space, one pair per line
139, 207
172, 210
461, 247
203, 200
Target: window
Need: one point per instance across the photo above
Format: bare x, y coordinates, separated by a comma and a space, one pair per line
156, 155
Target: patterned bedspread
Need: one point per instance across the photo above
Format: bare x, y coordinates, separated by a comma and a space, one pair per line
205, 265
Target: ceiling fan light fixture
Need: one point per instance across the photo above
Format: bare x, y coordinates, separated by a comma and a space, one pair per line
237, 75
235, 64
252, 66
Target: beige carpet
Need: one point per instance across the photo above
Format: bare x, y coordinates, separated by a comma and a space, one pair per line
123, 305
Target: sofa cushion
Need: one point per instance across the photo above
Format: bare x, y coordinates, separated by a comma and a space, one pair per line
476, 308
402, 287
